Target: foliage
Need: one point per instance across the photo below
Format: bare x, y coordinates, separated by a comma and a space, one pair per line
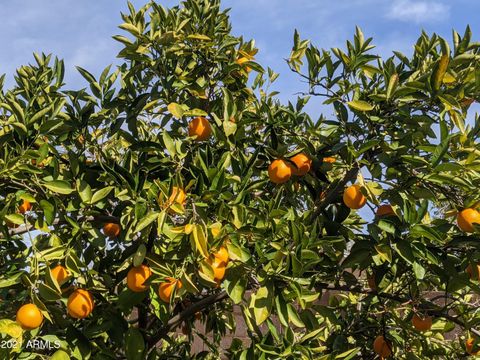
112, 153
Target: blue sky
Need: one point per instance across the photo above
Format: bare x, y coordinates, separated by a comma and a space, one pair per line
80, 31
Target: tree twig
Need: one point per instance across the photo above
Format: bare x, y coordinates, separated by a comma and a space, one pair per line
188, 312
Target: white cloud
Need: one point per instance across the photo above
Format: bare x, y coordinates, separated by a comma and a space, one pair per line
418, 11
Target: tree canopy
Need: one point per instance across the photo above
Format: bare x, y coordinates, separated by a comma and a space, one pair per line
177, 186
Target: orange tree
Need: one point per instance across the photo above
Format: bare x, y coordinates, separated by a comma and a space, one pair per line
176, 187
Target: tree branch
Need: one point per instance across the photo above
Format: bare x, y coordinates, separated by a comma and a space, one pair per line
188, 312
97, 218
427, 306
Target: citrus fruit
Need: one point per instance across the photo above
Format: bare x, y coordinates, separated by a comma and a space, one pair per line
199, 127
279, 171
137, 276
29, 316
353, 197
302, 164
80, 304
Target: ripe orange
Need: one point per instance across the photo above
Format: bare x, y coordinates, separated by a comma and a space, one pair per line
329, 159
279, 171
24, 207
60, 273
472, 274
111, 230
218, 267
136, 278
422, 323
199, 127
469, 343
385, 210
382, 346
222, 255
80, 304
353, 197
466, 218
302, 163
165, 289
29, 316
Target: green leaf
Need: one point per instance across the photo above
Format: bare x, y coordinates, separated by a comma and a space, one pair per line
440, 151
84, 190
101, 194
87, 76
39, 114
189, 284
48, 211
384, 251
229, 127
48, 293
404, 249
169, 144
16, 219
261, 302
20, 128
419, 271
139, 255
12, 279
360, 105
146, 220
235, 285
59, 186
134, 345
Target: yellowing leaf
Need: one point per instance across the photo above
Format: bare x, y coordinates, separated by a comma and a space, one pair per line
130, 28
199, 240
261, 302
360, 105
449, 78
215, 229
188, 229
14, 330
384, 251
440, 70
176, 110
199, 37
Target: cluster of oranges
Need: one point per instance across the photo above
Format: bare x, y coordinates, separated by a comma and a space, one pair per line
383, 347
80, 303
281, 170
137, 276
